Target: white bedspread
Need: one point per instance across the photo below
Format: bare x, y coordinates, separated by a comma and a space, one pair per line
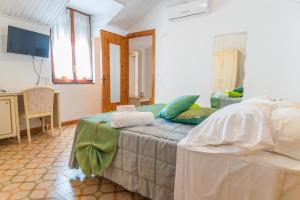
224, 158
222, 174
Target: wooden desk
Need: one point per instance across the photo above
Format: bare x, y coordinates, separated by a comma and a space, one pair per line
9, 116
11, 105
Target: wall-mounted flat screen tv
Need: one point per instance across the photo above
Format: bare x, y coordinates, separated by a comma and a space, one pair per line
21, 41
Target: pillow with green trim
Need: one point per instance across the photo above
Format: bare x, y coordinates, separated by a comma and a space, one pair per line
177, 106
194, 116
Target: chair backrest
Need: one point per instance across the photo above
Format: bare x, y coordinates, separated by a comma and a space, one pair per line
38, 100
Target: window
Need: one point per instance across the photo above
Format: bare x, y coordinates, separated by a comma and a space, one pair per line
71, 48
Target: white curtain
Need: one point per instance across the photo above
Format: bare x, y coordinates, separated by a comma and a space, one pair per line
82, 46
61, 46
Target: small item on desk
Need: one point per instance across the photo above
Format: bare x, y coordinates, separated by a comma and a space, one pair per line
2, 91
126, 108
127, 119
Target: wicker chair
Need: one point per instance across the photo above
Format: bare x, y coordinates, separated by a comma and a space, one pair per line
38, 103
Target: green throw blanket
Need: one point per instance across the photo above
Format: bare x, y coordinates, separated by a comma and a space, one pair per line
96, 142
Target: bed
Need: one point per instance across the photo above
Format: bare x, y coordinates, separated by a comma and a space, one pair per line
145, 158
246, 151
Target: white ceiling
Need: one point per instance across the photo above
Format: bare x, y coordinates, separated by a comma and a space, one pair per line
101, 11
120, 14
96, 7
40, 11
133, 10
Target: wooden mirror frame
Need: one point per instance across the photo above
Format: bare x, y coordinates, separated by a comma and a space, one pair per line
152, 33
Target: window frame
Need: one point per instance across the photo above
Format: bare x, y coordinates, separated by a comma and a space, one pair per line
74, 80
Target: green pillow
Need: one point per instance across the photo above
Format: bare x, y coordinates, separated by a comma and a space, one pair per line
239, 89
195, 106
177, 106
233, 94
194, 116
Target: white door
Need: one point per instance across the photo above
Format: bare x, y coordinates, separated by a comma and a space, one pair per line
5, 117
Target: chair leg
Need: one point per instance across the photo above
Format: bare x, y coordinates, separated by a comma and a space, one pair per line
59, 128
52, 125
28, 130
43, 124
18, 137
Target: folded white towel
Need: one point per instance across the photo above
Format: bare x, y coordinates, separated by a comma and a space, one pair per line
126, 108
127, 119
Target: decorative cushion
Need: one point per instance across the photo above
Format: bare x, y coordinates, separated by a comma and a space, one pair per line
195, 106
286, 136
239, 89
177, 106
233, 94
194, 116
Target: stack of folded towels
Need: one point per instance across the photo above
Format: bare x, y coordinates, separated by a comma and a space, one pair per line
127, 115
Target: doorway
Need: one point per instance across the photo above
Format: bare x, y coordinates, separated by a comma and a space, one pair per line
141, 70
128, 69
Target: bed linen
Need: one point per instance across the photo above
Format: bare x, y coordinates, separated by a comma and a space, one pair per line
244, 125
226, 173
145, 158
286, 128
225, 158
95, 141
128, 119
95, 144
145, 161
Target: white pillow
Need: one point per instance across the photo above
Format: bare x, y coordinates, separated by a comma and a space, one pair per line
285, 123
244, 125
265, 103
287, 104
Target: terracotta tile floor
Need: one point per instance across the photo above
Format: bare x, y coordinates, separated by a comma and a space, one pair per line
40, 171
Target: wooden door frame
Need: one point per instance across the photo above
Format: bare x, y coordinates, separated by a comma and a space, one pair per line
106, 104
150, 32
107, 38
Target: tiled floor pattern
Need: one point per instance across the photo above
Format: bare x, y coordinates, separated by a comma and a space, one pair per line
40, 171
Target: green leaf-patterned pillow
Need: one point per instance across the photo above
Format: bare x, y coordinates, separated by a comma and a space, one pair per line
194, 116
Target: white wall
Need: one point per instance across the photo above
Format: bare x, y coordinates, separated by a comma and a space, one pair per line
16, 73
184, 47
